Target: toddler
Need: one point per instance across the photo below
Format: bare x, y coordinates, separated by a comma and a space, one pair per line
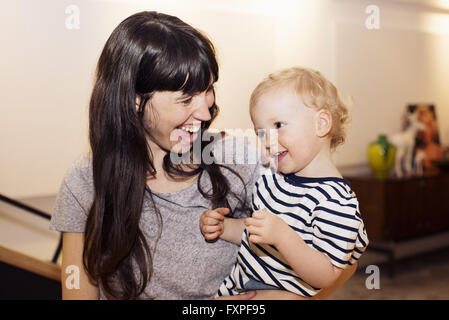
306, 226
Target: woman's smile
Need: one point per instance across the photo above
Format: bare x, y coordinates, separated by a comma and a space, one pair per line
175, 124
184, 136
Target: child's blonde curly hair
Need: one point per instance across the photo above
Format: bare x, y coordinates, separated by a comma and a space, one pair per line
315, 91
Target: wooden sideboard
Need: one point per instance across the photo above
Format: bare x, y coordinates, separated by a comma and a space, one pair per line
402, 209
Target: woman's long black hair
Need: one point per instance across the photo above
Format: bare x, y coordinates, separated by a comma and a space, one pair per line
147, 52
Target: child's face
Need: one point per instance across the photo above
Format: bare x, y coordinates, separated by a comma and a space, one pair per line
281, 112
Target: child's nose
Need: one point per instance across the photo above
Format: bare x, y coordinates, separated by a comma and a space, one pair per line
271, 141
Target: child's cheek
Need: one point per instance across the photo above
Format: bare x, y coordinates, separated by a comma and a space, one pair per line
284, 138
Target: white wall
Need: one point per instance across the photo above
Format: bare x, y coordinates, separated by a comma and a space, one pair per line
47, 70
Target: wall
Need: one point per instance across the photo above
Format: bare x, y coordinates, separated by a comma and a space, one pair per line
47, 70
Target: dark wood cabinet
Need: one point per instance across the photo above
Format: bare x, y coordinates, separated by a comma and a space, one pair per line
402, 209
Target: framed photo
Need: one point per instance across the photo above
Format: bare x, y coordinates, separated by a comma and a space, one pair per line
427, 149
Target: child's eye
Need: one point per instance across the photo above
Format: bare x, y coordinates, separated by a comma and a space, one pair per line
279, 125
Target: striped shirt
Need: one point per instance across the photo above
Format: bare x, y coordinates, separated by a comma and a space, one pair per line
323, 211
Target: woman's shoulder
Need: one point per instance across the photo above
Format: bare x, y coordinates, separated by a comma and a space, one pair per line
235, 150
79, 174
241, 156
74, 197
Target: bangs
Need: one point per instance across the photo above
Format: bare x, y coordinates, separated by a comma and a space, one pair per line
186, 65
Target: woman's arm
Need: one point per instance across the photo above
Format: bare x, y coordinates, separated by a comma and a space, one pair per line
72, 262
323, 294
286, 295
346, 274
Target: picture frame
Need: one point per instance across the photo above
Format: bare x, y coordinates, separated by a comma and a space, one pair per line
427, 151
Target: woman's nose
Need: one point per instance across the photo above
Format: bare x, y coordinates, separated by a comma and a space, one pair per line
203, 103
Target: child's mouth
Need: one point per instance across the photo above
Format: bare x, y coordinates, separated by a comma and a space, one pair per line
280, 155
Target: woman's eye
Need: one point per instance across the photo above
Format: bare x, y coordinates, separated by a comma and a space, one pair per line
260, 133
278, 125
186, 101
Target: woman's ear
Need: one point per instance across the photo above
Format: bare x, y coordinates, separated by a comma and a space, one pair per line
138, 99
323, 123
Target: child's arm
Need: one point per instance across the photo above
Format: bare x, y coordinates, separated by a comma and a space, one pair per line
311, 265
233, 230
214, 224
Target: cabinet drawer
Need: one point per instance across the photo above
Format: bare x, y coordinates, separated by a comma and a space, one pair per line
400, 209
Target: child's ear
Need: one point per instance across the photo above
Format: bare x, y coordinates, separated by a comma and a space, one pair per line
323, 123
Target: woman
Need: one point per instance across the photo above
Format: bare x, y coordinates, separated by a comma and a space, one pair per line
130, 211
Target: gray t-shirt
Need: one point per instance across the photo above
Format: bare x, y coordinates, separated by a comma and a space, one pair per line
185, 265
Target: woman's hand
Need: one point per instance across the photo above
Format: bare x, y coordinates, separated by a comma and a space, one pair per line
212, 223
277, 295
245, 296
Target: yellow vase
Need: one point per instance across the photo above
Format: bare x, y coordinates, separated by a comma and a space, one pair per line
381, 155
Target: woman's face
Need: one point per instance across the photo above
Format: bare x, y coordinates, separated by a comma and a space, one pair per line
174, 118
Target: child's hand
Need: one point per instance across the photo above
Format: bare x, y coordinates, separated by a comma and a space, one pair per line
211, 223
265, 227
